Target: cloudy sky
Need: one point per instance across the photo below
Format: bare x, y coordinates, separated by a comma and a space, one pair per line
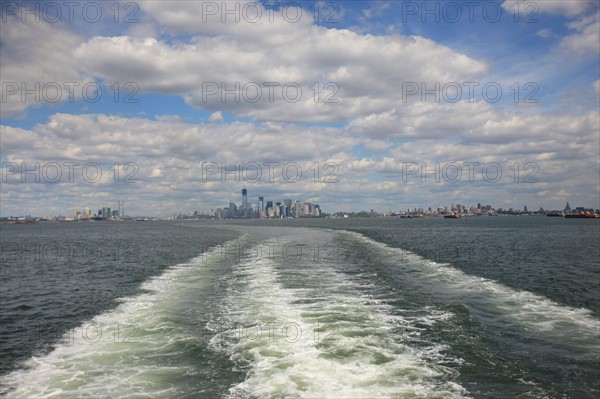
175, 106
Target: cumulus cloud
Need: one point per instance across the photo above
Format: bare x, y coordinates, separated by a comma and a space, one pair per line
327, 75
100, 137
585, 40
376, 8
169, 154
331, 75
37, 57
569, 8
216, 117
546, 33
186, 49
425, 120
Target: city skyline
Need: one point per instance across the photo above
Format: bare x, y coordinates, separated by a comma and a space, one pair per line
298, 208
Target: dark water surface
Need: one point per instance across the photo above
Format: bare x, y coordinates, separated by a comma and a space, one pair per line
481, 307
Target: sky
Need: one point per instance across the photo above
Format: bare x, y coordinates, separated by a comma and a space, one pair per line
175, 106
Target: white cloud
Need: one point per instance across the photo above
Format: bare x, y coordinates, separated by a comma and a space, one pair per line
37, 53
216, 117
175, 52
170, 153
377, 8
545, 33
366, 71
585, 41
569, 8
249, 20
425, 120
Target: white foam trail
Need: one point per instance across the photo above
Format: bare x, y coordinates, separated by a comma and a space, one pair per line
99, 360
578, 328
356, 352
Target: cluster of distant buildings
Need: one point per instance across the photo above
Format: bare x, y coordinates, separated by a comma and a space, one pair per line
453, 209
579, 212
264, 210
462, 210
296, 209
104, 213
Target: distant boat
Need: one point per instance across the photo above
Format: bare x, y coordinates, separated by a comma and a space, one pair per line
453, 216
21, 221
555, 214
581, 215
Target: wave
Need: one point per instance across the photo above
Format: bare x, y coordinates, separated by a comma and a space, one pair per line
491, 300
134, 350
306, 331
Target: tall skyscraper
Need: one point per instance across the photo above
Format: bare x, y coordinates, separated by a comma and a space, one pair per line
297, 209
269, 209
244, 199
233, 210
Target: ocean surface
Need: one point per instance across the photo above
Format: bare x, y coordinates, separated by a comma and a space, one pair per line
487, 307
